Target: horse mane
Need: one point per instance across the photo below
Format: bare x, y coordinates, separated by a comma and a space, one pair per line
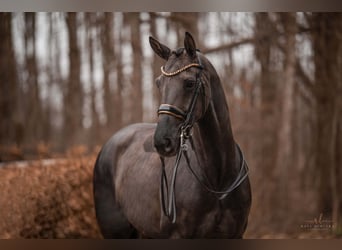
218, 96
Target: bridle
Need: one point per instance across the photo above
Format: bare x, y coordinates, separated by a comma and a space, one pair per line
168, 109
168, 199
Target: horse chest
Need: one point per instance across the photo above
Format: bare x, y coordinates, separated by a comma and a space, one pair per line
199, 213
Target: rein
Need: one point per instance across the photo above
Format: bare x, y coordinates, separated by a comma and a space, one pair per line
168, 197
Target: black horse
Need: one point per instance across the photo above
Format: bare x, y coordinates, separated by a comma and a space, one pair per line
184, 177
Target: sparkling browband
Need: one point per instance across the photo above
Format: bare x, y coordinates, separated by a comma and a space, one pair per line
179, 70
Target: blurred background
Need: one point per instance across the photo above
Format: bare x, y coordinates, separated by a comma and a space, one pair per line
68, 81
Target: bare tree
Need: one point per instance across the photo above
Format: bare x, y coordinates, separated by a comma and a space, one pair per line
108, 66
284, 160
73, 98
118, 93
136, 94
325, 77
157, 61
264, 43
11, 130
327, 47
186, 21
337, 172
34, 107
90, 20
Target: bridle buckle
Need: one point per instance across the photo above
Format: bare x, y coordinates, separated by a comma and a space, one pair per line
183, 137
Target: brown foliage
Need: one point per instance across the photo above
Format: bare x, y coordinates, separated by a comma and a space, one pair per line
48, 199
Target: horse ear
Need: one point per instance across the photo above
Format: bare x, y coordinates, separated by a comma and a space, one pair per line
160, 49
189, 44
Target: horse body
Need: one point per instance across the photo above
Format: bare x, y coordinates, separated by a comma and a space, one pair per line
128, 171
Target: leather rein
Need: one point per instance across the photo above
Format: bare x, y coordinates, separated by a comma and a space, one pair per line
168, 197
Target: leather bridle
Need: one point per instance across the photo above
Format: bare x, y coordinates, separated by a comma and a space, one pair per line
168, 198
168, 109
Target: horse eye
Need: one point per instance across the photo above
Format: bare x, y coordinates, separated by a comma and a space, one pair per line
189, 84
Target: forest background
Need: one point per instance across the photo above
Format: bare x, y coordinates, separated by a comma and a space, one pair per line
68, 81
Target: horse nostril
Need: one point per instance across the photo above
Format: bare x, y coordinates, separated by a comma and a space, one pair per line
167, 143
164, 145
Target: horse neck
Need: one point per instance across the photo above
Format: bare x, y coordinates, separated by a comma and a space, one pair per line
217, 154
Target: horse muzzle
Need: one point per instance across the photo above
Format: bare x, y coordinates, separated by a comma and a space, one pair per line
166, 136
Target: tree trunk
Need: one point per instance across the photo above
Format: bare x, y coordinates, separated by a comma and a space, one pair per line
90, 19
264, 28
334, 69
108, 65
284, 160
337, 172
327, 53
186, 21
136, 94
73, 99
156, 64
264, 43
118, 100
11, 130
34, 107
50, 71
267, 150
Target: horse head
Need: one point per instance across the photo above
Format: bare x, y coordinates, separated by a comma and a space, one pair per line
185, 93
